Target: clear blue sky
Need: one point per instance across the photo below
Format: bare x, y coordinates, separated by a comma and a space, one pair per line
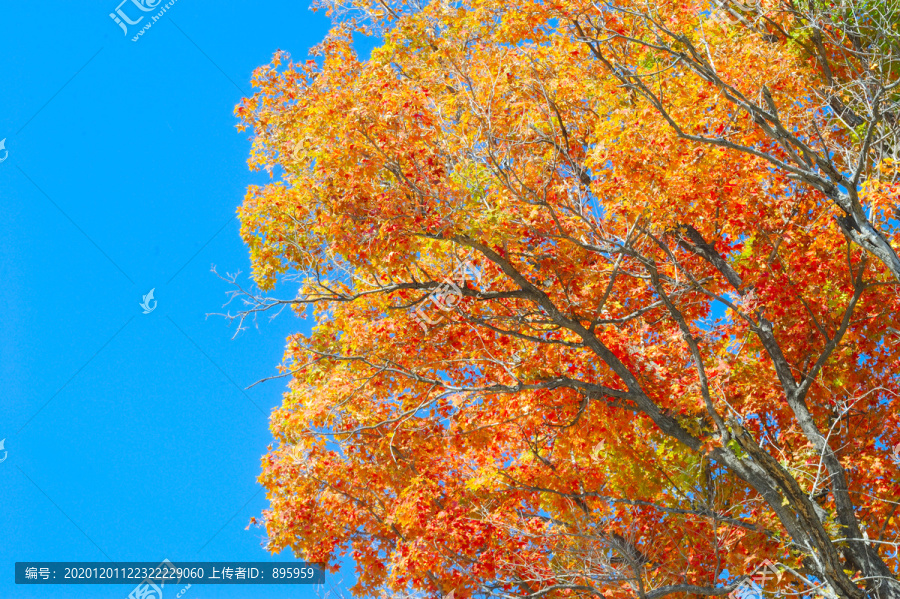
129, 436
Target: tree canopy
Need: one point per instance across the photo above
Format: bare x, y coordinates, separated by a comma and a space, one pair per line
605, 296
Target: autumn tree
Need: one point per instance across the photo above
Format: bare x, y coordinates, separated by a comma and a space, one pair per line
605, 296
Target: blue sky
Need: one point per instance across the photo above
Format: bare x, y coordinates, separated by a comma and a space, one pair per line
129, 435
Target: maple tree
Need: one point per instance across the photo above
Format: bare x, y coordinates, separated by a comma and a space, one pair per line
605, 296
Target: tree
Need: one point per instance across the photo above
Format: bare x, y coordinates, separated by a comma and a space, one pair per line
605, 296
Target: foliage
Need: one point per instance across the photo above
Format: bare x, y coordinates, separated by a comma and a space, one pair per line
680, 355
